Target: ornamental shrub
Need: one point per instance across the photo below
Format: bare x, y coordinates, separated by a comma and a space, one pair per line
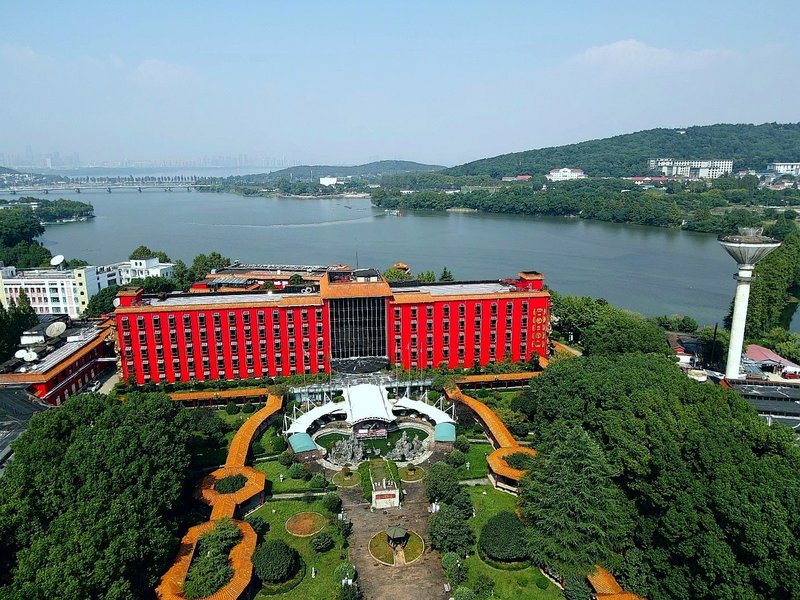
286, 459
331, 502
318, 481
541, 581
461, 444
248, 407
503, 538
350, 592
297, 471
345, 570
278, 444
338, 399
228, 485
322, 542
454, 568
464, 593
520, 460
259, 525
456, 459
231, 408
275, 561
433, 395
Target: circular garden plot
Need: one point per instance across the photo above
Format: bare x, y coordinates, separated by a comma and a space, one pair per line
305, 524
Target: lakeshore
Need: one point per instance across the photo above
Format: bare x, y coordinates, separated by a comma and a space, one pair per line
646, 269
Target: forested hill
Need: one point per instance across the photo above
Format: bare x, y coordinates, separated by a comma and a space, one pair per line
6, 170
373, 169
750, 147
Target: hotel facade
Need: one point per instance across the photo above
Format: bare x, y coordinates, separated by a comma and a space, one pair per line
349, 321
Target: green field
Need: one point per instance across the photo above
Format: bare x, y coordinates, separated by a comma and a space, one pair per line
327, 440
323, 586
273, 470
476, 457
508, 585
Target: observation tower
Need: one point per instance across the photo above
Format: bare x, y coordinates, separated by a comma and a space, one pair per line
746, 249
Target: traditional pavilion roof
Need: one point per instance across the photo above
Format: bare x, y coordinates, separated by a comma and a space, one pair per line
301, 442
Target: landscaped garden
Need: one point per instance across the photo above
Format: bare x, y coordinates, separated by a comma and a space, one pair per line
297, 478
327, 440
515, 581
476, 457
347, 477
411, 473
298, 583
382, 551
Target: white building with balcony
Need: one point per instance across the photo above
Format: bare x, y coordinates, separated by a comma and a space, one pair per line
141, 268
691, 169
565, 174
55, 291
785, 168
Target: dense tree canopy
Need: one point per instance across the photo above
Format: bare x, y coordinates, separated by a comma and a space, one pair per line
503, 538
88, 505
714, 491
577, 516
617, 331
143, 253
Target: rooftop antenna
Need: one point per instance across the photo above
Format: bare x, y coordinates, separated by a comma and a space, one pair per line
356, 258
58, 262
55, 329
747, 248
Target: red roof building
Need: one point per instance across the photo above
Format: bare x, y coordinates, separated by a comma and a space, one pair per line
352, 321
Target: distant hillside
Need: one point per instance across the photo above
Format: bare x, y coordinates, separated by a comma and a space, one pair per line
750, 147
6, 170
373, 169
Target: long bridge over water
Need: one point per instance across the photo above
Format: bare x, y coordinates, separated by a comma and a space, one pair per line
106, 187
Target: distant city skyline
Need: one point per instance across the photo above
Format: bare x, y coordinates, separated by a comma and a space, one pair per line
440, 83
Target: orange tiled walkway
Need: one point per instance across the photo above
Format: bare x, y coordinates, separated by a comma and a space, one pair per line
224, 505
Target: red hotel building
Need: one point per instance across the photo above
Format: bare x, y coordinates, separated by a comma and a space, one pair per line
348, 321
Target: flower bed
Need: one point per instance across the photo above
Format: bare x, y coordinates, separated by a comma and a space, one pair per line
305, 524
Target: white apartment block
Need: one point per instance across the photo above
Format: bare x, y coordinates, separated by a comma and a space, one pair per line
785, 168
565, 174
52, 291
692, 169
141, 268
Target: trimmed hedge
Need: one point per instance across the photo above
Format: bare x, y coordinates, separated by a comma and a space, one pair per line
503, 538
229, 485
275, 561
210, 569
322, 542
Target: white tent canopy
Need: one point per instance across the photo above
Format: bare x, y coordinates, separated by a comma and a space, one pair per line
433, 413
367, 402
302, 423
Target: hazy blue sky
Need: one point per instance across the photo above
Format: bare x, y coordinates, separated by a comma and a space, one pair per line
347, 82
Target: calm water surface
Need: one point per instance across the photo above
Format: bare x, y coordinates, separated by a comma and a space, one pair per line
646, 269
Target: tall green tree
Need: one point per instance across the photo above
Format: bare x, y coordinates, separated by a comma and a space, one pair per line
143, 253
576, 514
90, 507
446, 275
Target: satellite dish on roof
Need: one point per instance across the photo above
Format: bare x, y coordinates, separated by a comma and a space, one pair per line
30, 356
20, 353
55, 329
57, 260
115, 302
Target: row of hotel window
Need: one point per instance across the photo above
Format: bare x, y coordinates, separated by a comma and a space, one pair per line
172, 320
462, 310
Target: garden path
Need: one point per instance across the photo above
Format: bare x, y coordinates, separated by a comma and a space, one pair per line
424, 578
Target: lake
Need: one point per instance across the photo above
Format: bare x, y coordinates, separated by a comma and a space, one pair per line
650, 270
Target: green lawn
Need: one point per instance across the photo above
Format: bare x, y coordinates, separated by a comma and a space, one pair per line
329, 439
323, 586
508, 585
476, 457
273, 469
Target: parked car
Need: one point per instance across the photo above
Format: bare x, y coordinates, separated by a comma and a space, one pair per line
791, 374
